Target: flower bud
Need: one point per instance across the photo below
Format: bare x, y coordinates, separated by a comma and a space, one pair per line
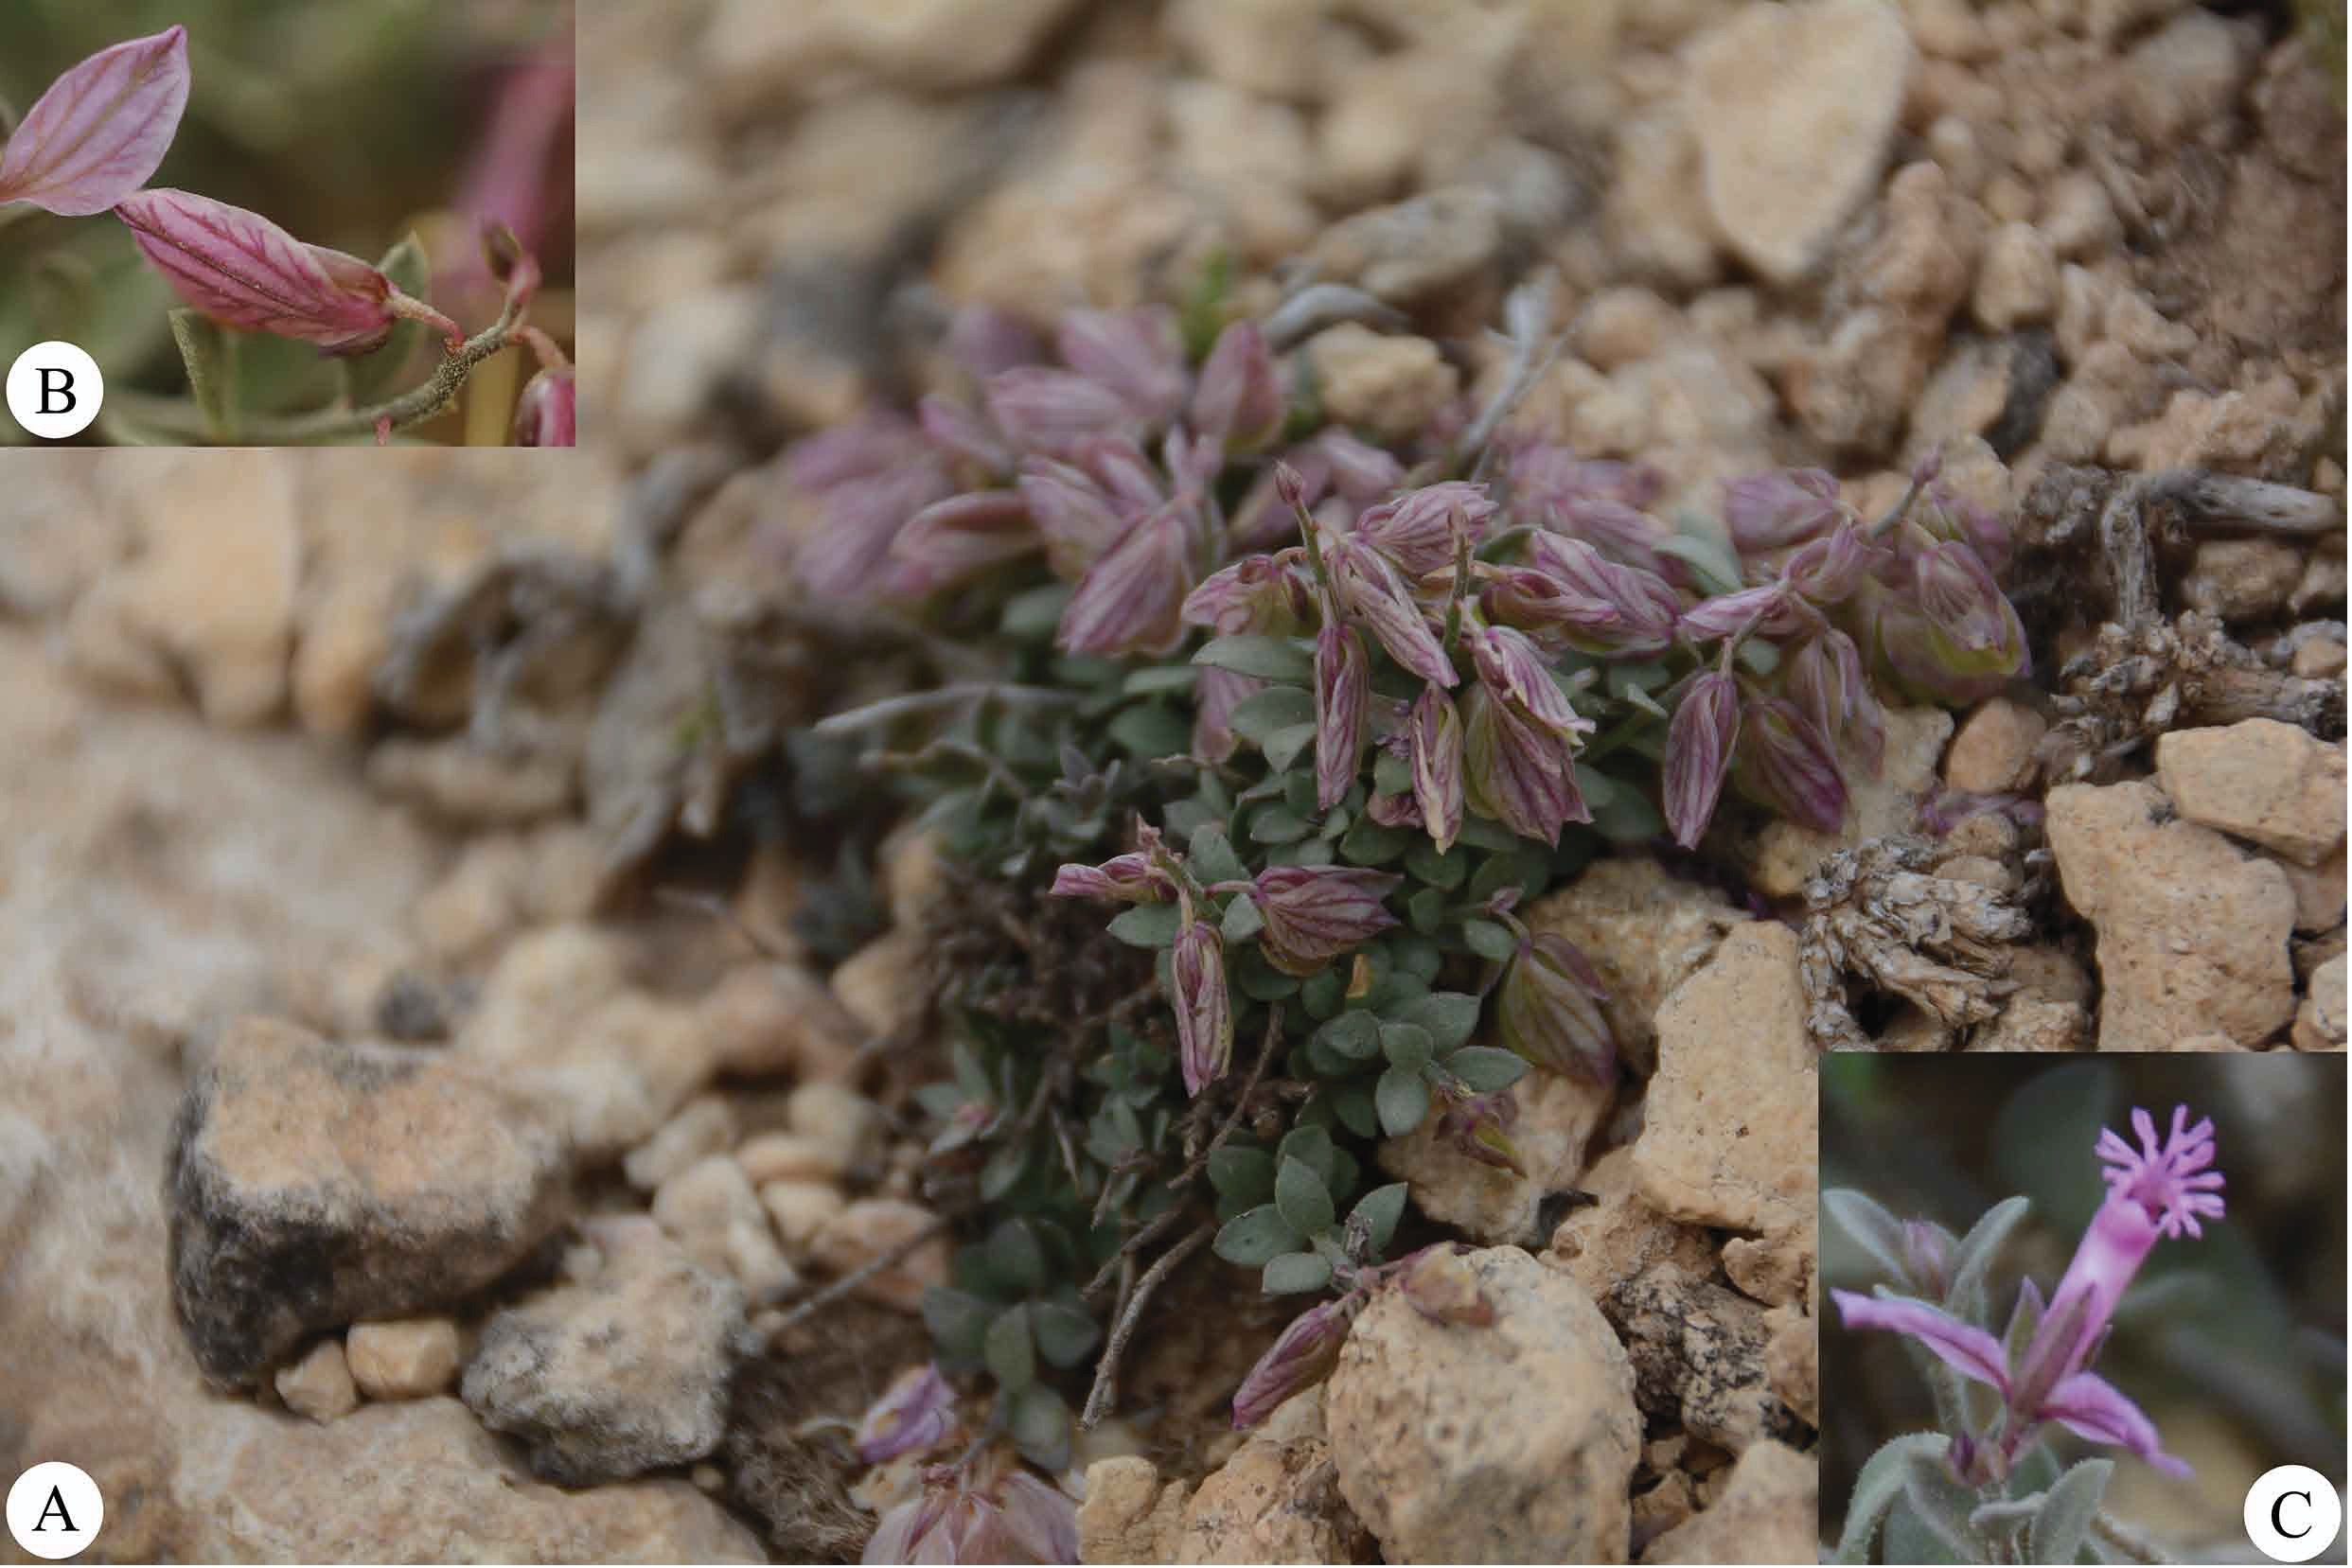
1215, 696
1297, 1359
1204, 1010
1621, 533
1290, 486
1314, 913
1239, 399
1132, 353
1370, 590
1771, 610
1435, 735
875, 440
846, 554
1118, 465
1052, 412
1593, 604
1264, 594
1514, 674
1785, 761
1071, 513
1784, 506
547, 414
1478, 1127
1544, 477
1545, 1009
1827, 570
1128, 601
1927, 1258
958, 537
961, 433
1422, 530
1130, 878
1954, 637
1825, 678
1342, 693
914, 1414
97, 135
1699, 742
1523, 776
1358, 470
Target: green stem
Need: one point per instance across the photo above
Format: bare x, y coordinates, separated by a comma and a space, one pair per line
411, 407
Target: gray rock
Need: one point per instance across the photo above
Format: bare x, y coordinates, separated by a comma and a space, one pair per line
620, 1373
312, 1182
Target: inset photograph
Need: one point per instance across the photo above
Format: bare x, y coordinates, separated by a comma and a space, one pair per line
2073, 1312
257, 222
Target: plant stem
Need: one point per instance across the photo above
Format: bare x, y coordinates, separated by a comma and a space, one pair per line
942, 697
1106, 1370
411, 407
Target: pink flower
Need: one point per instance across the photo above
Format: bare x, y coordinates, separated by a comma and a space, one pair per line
1785, 761
243, 270
1342, 694
987, 1510
1422, 530
1297, 1359
1134, 877
99, 132
1129, 600
1523, 776
1954, 637
1052, 412
1132, 353
1783, 506
1204, 1010
547, 412
1436, 738
1263, 594
1544, 1008
1699, 742
1515, 675
1371, 591
1825, 680
1076, 519
1239, 399
847, 553
1314, 913
916, 1412
956, 538
1215, 697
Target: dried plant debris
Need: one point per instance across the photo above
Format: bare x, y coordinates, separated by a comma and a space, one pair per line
1877, 911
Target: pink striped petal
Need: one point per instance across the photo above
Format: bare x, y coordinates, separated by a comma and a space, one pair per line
2089, 1406
99, 131
1965, 1349
243, 270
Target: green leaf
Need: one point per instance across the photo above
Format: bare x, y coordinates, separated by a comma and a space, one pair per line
1402, 1099
1425, 910
1152, 729
1869, 1223
1011, 1354
1450, 1016
1258, 979
1299, 1193
1391, 775
1941, 1502
1285, 746
1490, 939
1294, 1272
1039, 1423
1975, 1255
1260, 713
1717, 568
1323, 993
1065, 1333
1380, 1210
1158, 680
1244, 1173
1016, 1257
1368, 843
1276, 658
1310, 1145
1877, 1486
1212, 855
1626, 816
371, 377
205, 349
1279, 825
958, 1321
1004, 1170
1255, 1237
1438, 871
1036, 613
1354, 1035
1241, 919
2058, 1531
1485, 1068
1407, 1046
1148, 926
1355, 1110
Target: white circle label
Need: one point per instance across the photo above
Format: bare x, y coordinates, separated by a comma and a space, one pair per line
55, 390
54, 1508
2292, 1513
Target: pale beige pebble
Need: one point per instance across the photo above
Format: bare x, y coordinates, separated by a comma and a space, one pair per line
1394, 117
2318, 658
2083, 296
1948, 29
206, 601
565, 877
1666, 1505
764, 1020
870, 1227
705, 1126
710, 1209
2203, 1043
2133, 321
345, 632
1704, 402
1557, 1116
1439, 246
1610, 423
1617, 326
789, 1158
1127, 1516
1654, 215
1390, 385
2323, 578
858, 169
1792, 1361
2033, 1024
2106, 20
2192, 933
622, 1069
1728, 1135
1775, 1270
452, 778
404, 1360
1786, 855
1795, 108
1965, 395
1644, 930
2272, 784
2078, 217
2077, 421
319, 1386
915, 874
1992, 751
1275, 1499
1953, 144
2184, 75
2238, 432
799, 1210
841, 1120
2320, 1021
678, 352
1852, 390
1767, 1512
935, 46
2007, 200
2318, 892
1986, 833
2017, 280
477, 905
881, 985
1424, 1464
1619, 1234
1250, 160
1274, 48
2242, 579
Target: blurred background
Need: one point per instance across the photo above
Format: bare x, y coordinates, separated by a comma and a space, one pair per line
350, 123
2232, 1344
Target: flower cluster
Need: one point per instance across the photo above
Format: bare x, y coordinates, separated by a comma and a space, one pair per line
1321, 721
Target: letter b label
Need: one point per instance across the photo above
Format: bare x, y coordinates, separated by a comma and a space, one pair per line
55, 390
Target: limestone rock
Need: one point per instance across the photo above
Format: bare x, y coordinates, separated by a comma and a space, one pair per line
1727, 1138
1275, 1499
1127, 1515
1993, 753
705, 1127
619, 1373
1698, 1353
1558, 1117
1645, 930
774, 1018
312, 1182
1390, 385
871, 1226
2260, 780
1768, 1513
406, 1360
319, 1386
1412, 1409
1619, 1235
1794, 108
712, 1212
2320, 1021
2192, 934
